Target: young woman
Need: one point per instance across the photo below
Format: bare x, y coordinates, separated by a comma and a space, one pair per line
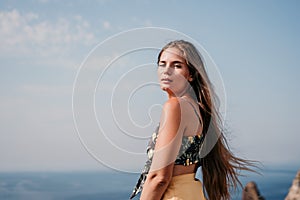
189, 135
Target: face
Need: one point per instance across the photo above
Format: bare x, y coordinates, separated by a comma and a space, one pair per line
173, 72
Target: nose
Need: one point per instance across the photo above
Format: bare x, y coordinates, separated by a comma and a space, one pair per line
167, 70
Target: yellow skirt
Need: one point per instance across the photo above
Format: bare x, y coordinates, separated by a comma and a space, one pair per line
184, 187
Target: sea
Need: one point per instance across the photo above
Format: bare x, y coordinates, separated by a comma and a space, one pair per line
273, 184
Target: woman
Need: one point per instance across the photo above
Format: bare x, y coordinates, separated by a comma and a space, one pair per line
189, 135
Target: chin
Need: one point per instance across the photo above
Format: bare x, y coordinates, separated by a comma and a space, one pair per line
164, 87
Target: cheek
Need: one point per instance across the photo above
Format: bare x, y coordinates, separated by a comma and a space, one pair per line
180, 80
184, 74
158, 72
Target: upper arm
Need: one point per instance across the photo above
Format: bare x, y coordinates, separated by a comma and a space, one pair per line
169, 138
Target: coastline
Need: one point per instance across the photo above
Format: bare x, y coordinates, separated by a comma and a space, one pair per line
273, 184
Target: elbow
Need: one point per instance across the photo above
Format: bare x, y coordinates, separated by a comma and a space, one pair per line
160, 181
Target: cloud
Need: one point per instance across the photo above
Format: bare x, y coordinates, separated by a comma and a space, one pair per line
106, 25
27, 33
142, 22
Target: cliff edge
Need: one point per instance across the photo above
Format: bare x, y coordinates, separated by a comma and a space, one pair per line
294, 192
251, 192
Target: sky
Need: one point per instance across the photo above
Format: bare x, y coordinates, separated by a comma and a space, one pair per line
78, 86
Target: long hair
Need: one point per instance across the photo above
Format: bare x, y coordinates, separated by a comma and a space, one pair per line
220, 168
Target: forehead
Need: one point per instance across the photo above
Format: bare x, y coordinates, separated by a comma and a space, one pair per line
172, 54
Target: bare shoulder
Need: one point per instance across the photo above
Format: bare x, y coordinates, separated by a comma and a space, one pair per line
171, 112
176, 106
172, 104
176, 109
181, 111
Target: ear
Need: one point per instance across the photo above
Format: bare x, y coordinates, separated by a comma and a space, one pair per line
190, 78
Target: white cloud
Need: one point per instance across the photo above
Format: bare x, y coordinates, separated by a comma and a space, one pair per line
106, 25
25, 33
142, 22
148, 23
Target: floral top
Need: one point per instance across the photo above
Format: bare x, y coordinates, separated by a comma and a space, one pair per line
189, 153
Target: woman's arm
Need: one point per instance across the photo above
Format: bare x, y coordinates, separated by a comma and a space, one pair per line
166, 150
156, 183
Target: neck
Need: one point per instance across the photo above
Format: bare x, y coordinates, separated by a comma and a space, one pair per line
172, 94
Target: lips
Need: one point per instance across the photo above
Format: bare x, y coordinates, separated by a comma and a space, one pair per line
166, 80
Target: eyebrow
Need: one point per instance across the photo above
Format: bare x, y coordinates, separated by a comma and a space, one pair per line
174, 62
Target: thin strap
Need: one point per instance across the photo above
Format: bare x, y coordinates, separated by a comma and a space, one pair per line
199, 117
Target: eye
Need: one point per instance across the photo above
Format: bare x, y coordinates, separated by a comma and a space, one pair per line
177, 66
161, 64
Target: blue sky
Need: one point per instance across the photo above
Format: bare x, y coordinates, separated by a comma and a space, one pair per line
254, 44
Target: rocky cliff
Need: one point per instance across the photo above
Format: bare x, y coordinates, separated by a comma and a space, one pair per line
294, 192
251, 192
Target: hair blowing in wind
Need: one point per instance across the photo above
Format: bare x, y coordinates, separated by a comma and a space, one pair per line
220, 167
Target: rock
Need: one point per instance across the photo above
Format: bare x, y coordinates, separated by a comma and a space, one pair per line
294, 192
251, 192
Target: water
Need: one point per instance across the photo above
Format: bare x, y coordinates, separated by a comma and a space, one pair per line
75, 185
273, 185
